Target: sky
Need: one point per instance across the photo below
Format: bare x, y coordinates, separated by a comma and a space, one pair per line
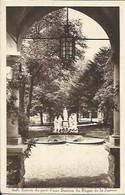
91, 29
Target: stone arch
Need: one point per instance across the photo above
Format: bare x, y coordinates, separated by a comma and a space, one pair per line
106, 17
19, 19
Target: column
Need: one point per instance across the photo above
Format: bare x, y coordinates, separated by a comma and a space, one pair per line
113, 146
13, 137
15, 148
115, 138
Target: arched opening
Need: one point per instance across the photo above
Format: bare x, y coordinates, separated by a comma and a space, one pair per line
26, 26
55, 165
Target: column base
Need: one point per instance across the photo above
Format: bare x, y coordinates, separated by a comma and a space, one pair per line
14, 140
15, 165
115, 140
114, 165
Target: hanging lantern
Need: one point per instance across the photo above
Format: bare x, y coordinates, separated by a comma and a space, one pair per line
67, 45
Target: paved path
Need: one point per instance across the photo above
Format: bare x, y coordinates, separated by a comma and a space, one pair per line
67, 165
39, 128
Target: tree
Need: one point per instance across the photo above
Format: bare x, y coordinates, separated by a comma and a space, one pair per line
42, 56
84, 89
93, 88
105, 94
50, 96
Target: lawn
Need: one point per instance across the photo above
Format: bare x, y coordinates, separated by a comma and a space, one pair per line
99, 131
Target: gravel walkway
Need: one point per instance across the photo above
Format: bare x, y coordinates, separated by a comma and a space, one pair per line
67, 165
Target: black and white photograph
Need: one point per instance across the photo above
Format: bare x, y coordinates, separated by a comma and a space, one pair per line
61, 101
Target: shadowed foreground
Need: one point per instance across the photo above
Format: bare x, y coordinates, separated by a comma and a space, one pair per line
97, 181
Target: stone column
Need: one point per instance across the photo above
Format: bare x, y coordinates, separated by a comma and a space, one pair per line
113, 146
15, 148
13, 136
115, 138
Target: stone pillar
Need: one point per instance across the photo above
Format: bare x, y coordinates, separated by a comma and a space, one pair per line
15, 148
113, 146
115, 138
13, 136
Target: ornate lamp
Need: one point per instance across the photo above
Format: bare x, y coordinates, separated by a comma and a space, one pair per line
67, 45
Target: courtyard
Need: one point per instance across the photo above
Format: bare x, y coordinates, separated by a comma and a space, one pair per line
63, 165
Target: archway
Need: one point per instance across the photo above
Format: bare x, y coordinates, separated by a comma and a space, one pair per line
109, 15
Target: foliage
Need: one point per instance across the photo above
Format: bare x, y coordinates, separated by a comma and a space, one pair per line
31, 143
85, 87
47, 78
23, 125
93, 88
12, 110
45, 86
105, 95
15, 164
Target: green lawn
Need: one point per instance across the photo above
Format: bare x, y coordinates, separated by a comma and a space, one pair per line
99, 131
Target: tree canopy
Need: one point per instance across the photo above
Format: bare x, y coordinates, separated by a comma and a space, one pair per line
46, 86
47, 82
93, 89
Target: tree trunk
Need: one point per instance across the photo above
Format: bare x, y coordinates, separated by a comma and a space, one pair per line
41, 117
77, 112
77, 116
90, 116
50, 115
30, 96
106, 118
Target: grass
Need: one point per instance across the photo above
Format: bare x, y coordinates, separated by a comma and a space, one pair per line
98, 131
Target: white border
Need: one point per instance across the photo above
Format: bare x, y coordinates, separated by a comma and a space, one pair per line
3, 5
